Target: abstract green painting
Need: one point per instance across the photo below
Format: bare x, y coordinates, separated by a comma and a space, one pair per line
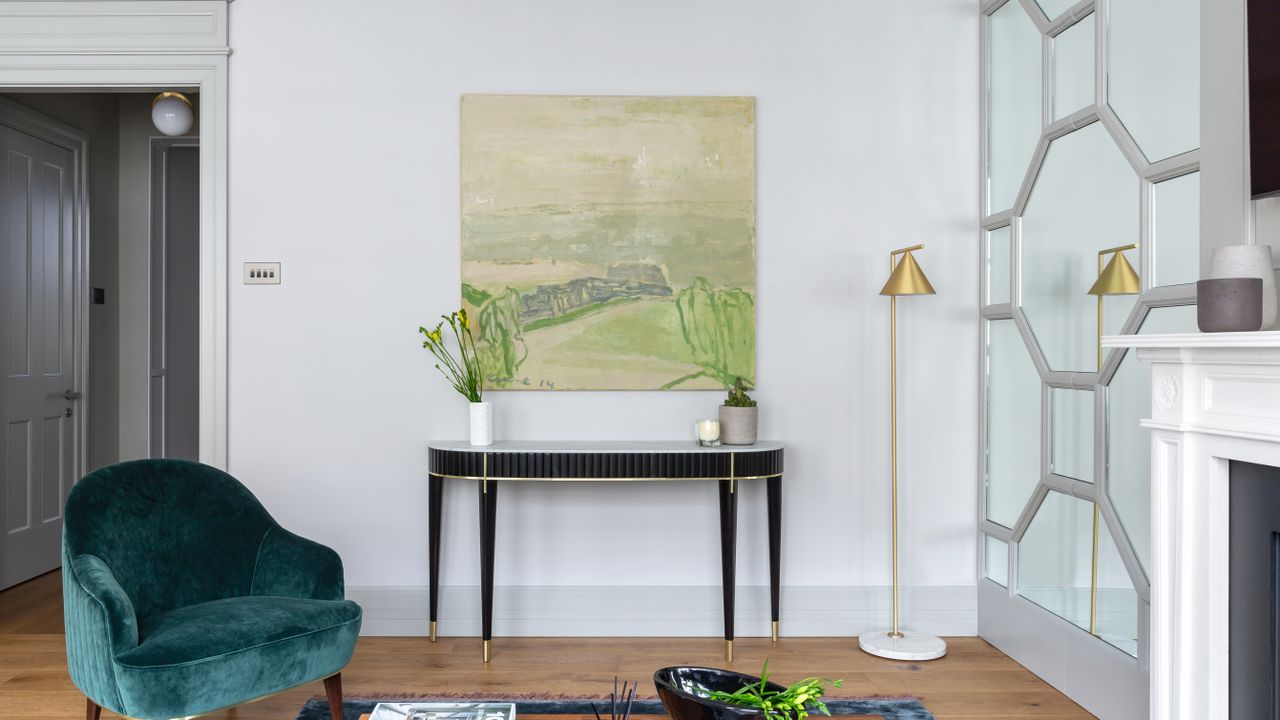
608, 243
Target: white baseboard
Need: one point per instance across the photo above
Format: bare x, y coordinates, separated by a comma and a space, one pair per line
665, 611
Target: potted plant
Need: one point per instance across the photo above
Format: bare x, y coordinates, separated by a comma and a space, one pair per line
739, 416
463, 371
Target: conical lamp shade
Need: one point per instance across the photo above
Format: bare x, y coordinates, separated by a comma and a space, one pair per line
907, 279
1117, 278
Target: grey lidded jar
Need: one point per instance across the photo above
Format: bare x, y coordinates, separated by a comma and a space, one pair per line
738, 425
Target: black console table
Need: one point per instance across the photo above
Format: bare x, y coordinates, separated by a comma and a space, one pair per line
492, 465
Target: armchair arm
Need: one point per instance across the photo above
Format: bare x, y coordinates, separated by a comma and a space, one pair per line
90, 575
292, 566
100, 624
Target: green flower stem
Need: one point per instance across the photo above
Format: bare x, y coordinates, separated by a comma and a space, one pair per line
462, 372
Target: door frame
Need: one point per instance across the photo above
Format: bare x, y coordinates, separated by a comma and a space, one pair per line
76, 141
154, 45
159, 251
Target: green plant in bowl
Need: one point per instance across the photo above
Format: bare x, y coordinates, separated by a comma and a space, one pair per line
792, 703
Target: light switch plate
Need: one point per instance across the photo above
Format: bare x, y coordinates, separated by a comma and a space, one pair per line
262, 273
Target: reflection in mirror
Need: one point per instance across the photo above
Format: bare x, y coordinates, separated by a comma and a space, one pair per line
1084, 200
1176, 230
1073, 53
999, 264
1072, 451
1055, 566
1154, 73
1054, 8
1015, 112
1013, 423
1128, 454
997, 560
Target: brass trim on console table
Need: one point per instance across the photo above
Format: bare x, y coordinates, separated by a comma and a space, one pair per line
602, 479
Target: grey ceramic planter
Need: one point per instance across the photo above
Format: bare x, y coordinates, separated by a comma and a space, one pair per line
738, 425
1229, 304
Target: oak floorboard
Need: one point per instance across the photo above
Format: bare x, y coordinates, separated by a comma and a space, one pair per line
974, 682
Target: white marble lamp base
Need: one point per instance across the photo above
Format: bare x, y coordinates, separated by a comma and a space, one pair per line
911, 646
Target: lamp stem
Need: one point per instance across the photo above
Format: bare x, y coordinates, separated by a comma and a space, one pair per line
1093, 565
893, 444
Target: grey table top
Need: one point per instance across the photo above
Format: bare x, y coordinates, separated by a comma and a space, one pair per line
605, 446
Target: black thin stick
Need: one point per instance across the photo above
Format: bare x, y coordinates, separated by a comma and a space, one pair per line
613, 699
596, 711
629, 701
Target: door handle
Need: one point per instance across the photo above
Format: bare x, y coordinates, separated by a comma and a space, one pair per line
71, 395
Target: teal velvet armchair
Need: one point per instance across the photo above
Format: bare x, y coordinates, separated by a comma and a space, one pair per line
183, 596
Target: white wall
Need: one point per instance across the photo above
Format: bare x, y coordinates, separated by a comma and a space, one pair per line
344, 166
1225, 214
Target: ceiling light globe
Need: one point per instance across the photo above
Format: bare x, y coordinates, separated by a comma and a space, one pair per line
171, 113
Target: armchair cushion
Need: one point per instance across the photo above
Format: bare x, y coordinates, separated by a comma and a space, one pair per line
207, 656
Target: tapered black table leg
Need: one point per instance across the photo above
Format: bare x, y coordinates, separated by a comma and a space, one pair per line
488, 527
728, 557
775, 550
435, 499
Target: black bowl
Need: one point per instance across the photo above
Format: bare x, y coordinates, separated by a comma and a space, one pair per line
683, 691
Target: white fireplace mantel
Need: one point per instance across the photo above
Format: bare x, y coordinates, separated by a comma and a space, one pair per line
1214, 398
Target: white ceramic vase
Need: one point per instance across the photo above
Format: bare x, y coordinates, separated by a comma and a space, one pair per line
1237, 261
482, 423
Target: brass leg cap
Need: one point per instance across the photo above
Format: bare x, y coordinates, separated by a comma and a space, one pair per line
433, 631
486, 651
728, 651
775, 631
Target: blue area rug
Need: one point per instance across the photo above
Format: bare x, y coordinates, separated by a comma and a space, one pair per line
889, 708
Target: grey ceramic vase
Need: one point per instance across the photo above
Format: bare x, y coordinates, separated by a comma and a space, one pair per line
1229, 304
738, 425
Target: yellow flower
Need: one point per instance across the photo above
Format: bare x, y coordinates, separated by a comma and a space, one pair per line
434, 335
462, 315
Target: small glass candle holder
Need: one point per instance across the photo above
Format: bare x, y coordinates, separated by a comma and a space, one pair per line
707, 432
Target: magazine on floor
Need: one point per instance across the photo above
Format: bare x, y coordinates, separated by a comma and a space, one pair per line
443, 711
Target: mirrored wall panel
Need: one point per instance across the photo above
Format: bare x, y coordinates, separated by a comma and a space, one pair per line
1072, 433
1153, 73
1080, 196
1084, 200
1056, 571
997, 560
1176, 230
1014, 104
999, 264
1073, 68
1054, 8
1013, 423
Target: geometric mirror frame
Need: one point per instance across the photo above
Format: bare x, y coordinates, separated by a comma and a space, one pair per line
1124, 315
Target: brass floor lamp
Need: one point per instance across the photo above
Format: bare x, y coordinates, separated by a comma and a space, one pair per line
905, 278
1117, 278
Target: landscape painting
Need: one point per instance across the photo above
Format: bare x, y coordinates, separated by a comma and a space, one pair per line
608, 243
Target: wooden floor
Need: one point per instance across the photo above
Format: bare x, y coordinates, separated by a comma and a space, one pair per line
975, 681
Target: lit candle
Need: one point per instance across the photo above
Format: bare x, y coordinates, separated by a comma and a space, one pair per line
708, 432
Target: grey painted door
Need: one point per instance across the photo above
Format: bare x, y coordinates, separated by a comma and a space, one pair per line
37, 351
175, 305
